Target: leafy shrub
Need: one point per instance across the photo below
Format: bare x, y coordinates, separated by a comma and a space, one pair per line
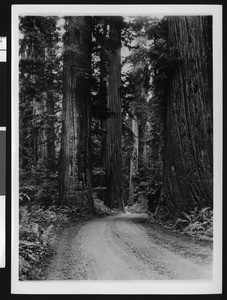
140, 206
38, 231
37, 236
197, 224
39, 184
102, 210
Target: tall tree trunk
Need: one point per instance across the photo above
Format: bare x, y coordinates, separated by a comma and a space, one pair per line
50, 131
38, 137
113, 159
44, 132
76, 184
188, 142
134, 159
142, 142
103, 99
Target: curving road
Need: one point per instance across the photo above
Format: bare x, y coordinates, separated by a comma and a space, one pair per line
122, 247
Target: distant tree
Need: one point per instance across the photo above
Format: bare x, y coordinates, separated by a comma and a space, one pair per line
138, 105
138, 112
134, 159
40, 89
144, 102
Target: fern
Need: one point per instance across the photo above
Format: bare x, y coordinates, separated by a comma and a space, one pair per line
197, 224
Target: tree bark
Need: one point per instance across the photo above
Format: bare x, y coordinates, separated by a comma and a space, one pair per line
50, 131
39, 134
143, 153
103, 99
113, 158
134, 160
188, 157
76, 183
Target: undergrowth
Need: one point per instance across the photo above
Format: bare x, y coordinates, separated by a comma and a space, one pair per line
101, 210
38, 230
197, 224
139, 207
37, 235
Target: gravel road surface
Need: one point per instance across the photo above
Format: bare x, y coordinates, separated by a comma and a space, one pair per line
126, 247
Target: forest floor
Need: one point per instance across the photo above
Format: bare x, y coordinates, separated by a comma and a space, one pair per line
127, 246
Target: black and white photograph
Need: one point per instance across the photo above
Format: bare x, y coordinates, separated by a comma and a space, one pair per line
115, 174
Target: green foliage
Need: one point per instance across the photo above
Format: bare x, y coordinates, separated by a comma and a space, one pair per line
198, 224
40, 93
140, 206
39, 185
39, 227
37, 237
101, 209
38, 232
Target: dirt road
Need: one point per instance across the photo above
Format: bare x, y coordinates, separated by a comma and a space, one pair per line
122, 247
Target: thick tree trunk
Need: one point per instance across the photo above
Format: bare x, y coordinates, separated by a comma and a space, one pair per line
188, 142
134, 160
103, 100
113, 159
76, 184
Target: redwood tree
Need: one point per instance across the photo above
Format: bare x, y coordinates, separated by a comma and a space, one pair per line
113, 156
188, 141
76, 186
134, 159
